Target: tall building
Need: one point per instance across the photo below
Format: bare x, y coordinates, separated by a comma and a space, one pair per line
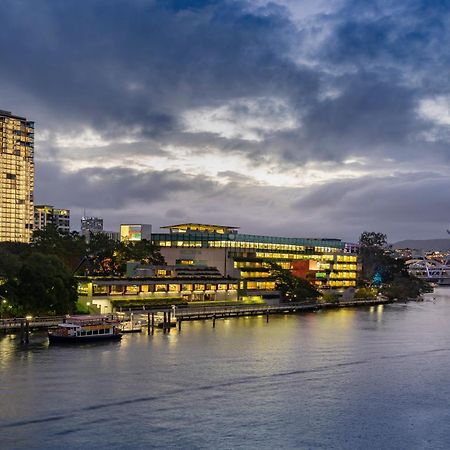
16, 178
48, 215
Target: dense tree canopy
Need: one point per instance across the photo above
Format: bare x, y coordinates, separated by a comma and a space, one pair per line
34, 283
384, 271
39, 278
372, 239
291, 287
99, 255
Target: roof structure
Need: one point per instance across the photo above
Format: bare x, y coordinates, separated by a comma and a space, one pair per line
201, 227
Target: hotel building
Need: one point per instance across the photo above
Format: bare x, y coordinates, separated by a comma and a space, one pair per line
16, 178
326, 263
48, 215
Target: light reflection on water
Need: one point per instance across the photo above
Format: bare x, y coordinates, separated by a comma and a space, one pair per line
356, 378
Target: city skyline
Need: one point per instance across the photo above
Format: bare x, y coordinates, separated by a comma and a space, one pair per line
288, 118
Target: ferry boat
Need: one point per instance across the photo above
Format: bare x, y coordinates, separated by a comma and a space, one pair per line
85, 329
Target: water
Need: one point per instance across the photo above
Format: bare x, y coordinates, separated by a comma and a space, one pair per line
349, 379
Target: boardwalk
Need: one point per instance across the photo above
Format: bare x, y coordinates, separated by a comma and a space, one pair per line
194, 313
207, 312
34, 323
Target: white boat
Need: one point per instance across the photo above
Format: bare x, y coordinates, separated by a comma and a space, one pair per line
85, 329
131, 326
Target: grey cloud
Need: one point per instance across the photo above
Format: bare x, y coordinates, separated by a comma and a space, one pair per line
98, 188
413, 204
135, 67
110, 66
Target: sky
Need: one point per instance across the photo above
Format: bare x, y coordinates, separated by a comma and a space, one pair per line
291, 118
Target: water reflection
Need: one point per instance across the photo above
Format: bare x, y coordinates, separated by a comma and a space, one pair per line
332, 379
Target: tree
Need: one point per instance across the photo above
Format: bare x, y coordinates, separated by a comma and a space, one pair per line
69, 248
102, 252
42, 285
380, 269
372, 239
291, 287
144, 252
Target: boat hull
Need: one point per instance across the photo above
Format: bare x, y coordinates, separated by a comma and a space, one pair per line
53, 339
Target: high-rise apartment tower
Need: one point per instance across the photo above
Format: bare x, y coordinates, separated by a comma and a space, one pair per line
45, 215
16, 178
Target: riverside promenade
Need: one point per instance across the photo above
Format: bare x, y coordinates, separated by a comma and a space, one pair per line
204, 313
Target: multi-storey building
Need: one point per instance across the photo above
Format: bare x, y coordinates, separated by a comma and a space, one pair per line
327, 263
91, 224
16, 178
48, 215
94, 225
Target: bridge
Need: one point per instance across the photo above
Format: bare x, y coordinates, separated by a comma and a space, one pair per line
430, 270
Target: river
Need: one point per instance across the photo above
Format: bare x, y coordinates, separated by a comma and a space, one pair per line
363, 378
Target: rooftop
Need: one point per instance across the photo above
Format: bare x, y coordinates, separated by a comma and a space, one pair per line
202, 227
10, 114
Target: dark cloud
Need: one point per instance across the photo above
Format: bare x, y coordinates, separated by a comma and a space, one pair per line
108, 189
346, 84
405, 203
116, 64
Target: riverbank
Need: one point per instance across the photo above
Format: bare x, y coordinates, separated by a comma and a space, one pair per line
203, 313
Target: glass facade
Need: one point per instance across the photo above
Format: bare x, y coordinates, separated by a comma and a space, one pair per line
324, 262
16, 178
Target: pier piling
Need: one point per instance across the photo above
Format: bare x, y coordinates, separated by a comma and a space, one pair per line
22, 332
27, 332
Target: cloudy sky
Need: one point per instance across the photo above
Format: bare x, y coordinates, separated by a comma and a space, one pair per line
288, 117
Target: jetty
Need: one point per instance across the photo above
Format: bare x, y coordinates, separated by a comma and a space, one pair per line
211, 312
180, 314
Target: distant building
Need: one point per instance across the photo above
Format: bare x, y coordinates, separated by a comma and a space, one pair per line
94, 225
16, 178
135, 232
48, 215
113, 235
91, 224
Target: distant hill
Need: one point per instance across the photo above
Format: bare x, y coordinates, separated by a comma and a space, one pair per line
424, 244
